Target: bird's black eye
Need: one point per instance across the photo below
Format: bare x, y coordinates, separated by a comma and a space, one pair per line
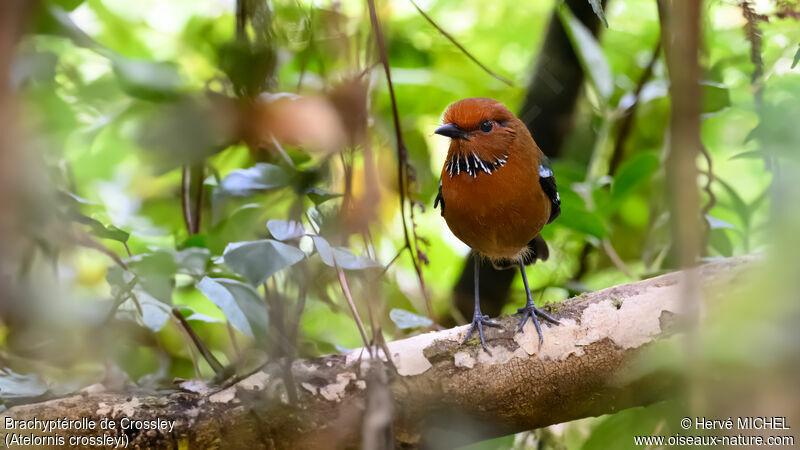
486, 126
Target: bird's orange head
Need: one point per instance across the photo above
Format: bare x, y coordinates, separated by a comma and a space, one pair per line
484, 127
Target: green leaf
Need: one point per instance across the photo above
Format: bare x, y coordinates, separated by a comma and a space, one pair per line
55, 21
716, 224
590, 55
634, 211
583, 221
319, 196
155, 263
148, 80
155, 313
68, 5
615, 430
632, 174
196, 241
406, 319
163, 133
650, 91
315, 217
97, 228
191, 315
718, 240
341, 256
259, 178
259, 260
243, 221
33, 66
597, 7
111, 232
17, 386
716, 97
124, 34
284, 230
192, 260
155, 271
118, 279
240, 303
796, 57
752, 154
249, 66
739, 205
777, 131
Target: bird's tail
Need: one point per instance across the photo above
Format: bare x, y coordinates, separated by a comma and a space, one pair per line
537, 250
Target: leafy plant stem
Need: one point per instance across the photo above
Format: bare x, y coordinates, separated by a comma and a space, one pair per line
402, 152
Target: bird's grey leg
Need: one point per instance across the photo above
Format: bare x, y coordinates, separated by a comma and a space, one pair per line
478, 319
530, 310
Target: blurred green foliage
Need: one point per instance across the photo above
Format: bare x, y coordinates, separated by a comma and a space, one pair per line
125, 100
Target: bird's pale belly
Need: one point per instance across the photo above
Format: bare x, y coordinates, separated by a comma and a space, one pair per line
495, 215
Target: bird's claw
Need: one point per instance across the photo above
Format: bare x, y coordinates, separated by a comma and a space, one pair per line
531, 311
478, 321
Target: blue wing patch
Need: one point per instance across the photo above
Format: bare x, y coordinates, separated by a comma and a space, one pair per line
548, 182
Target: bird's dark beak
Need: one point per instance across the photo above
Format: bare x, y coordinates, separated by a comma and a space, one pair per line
452, 131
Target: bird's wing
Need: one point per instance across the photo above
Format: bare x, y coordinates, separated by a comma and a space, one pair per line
548, 182
439, 198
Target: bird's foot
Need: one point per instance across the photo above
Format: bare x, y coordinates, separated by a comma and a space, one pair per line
478, 321
531, 311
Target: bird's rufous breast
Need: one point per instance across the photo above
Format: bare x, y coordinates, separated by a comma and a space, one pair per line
497, 214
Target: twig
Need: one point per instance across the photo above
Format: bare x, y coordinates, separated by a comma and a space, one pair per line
282, 152
753, 35
123, 295
189, 347
304, 55
657, 431
311, 223
369, 247
192, 176
712, 199
241, 20
614, 257
402, 152
461, 47
389, 264
186, 200
198, 175
235, 344
626, 125
84, 240
282, 348
212, 361
294, 329
385, 347
353, 310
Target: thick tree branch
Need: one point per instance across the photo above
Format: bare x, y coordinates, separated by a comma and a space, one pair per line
581, 370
